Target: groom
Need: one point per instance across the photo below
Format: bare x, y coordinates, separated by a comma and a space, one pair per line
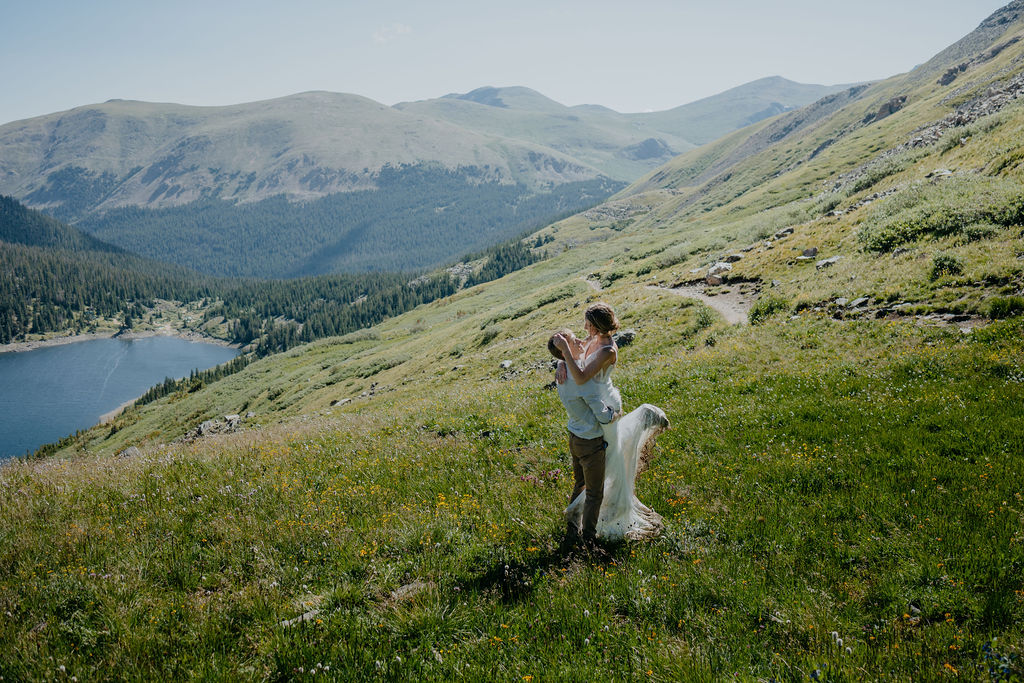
587, 446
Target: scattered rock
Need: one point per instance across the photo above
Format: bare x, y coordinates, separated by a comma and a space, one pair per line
624, 337
719, 268
209, 427
841, 301
130, 452
857, 303
250, 415
409, 590
811, 252
713, 280
782, 233
340, 402
827, 262
505, 364
308, 616
733, 258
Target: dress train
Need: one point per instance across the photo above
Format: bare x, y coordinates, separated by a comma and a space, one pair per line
630, 439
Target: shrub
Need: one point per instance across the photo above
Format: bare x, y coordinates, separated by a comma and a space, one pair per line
878, 172
766, 307
945, 264
978, 231
973, 207
489, 334
705, 317
1005, 307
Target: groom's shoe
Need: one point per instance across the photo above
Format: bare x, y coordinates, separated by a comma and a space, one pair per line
595, 550
570, 543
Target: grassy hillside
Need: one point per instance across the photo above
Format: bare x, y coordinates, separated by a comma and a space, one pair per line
712, 117
841, 483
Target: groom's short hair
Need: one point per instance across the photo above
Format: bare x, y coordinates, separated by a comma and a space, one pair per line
555, 351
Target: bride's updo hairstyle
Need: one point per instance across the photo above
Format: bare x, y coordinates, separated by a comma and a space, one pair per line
602, 317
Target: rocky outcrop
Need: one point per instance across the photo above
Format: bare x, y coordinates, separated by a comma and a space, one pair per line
887, 109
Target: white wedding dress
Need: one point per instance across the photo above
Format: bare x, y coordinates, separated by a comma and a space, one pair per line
629, 441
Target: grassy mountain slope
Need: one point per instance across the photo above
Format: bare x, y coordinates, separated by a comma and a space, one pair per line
145, 154
599, 137
621, 145
841, 484
712, 117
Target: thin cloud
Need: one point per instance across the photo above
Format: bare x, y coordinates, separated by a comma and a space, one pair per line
386, 34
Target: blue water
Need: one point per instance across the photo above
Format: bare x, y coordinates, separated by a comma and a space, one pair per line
49, 393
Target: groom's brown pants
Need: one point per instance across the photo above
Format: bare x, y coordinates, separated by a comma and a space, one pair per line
588, 471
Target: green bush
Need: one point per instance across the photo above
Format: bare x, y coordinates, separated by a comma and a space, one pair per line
945, 264
1005, 307
973, 207
766, 307
490, 333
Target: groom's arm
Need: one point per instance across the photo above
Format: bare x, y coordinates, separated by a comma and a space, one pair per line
604, 413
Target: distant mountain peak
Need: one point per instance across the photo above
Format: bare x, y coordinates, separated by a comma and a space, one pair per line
487, 95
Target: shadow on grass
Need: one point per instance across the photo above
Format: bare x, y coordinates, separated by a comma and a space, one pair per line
514, 581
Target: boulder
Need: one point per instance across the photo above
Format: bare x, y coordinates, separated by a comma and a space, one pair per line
827, 262
858, 302
783, 233
713, 280
505, 364
340, 402
130, 452
841, 301
207, 427
250, 415
624, 337
733, 258
719, 268
811, 252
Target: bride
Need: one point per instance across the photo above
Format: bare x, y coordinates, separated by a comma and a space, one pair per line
629, 438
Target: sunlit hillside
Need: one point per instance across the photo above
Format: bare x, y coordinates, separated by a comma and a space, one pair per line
841, 483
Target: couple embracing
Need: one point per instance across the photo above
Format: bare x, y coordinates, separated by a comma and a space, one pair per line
607, 447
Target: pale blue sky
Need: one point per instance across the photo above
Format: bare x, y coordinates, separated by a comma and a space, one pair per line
631, 56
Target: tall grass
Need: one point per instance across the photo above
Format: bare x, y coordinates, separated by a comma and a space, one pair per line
841, 507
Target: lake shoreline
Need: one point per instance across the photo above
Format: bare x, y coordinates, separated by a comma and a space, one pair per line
53, 393
188, 335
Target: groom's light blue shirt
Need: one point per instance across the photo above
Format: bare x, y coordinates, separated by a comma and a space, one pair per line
585, 410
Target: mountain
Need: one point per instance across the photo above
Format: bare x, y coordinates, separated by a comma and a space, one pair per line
712, 117
620, 145
124, 153
840, 486
321, 182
